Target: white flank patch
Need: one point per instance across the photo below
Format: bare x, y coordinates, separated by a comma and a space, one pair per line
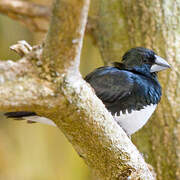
135, 120
39, 119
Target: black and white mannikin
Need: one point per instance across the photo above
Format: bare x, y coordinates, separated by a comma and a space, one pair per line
130, 90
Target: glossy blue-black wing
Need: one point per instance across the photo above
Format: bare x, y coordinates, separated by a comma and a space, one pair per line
111, 84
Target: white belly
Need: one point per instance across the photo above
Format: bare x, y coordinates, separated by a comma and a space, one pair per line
135, 120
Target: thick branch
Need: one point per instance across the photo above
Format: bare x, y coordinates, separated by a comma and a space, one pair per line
64, 39
95, 135
21, 89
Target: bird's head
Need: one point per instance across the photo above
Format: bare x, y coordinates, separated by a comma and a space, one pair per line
143, 60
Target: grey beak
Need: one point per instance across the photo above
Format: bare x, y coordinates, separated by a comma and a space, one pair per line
159, 65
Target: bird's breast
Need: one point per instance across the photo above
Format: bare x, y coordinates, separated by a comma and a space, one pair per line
132, 122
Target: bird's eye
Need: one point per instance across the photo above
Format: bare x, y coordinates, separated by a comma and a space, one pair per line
148, 60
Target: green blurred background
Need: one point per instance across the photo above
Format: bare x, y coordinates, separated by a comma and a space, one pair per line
37, 151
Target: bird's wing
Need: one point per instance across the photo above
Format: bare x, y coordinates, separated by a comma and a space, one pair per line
110, 83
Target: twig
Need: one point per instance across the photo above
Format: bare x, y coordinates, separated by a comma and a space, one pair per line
22, 48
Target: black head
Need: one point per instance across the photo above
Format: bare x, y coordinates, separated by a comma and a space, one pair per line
142, 59
138, 56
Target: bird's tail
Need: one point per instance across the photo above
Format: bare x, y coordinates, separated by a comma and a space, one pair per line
30, 117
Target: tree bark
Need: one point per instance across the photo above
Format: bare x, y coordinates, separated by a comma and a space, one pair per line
52, 86
155, 24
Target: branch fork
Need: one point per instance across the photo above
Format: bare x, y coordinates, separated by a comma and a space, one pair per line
68, 100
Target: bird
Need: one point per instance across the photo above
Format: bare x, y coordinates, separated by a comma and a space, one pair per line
129, 89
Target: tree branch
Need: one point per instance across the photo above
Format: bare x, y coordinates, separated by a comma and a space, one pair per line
27, 13
53, 87
20, 86
30, 14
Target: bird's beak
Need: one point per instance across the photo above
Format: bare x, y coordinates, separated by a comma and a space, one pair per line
159, 65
